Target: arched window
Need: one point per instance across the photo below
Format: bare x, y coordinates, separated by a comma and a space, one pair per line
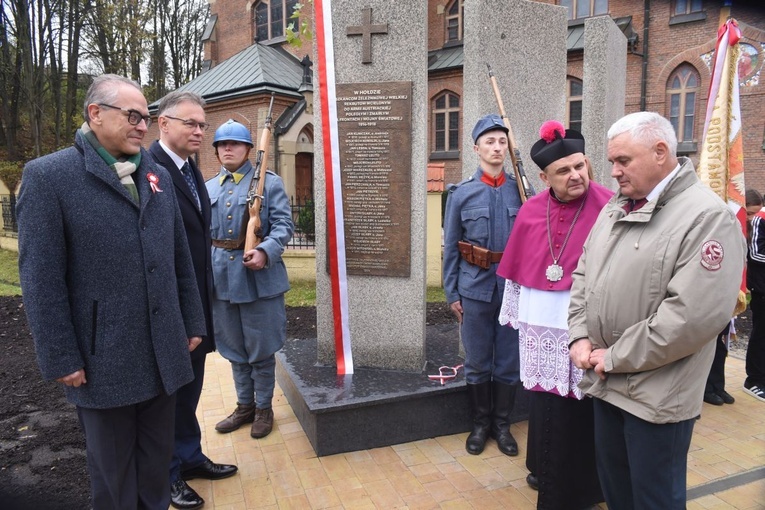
446, 122
682, 91
271, 18
454, 17
574, 104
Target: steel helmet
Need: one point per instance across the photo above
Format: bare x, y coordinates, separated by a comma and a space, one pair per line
232, 131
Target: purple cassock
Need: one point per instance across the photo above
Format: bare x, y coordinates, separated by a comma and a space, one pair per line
536, 299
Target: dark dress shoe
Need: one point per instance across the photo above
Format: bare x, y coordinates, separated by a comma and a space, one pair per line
713, 398
209, 470
183, 496
726, 397
532, 481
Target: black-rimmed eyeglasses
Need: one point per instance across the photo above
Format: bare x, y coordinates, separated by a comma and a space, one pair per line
134, 116
191, 124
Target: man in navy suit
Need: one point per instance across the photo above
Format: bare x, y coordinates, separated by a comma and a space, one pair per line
181, 120
110, 293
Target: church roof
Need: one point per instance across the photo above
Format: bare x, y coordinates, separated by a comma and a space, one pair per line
445, 58
575, 36
255, 69
451, 57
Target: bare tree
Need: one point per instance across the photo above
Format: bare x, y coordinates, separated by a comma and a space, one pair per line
117, 35
77, 11
185, 24
17, 67
8, 76
47, 46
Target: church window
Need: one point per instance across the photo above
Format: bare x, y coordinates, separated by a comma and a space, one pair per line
272, 17
446, 122
578, 9
574, 104
686, 7
454, 16
682, 92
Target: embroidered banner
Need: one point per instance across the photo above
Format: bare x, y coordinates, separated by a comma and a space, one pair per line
721, 164
335, 222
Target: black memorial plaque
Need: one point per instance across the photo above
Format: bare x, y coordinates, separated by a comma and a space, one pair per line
375, 134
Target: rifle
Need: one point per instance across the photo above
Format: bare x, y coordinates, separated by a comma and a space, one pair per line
524, 188
254, 230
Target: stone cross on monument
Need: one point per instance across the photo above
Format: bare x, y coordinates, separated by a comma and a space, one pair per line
366, 30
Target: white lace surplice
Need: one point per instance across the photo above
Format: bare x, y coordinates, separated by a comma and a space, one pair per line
541, 318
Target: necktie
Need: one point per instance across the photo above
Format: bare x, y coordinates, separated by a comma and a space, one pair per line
634, 205
189, 177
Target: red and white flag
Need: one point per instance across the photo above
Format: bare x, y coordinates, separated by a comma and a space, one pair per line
721, 164
335, 221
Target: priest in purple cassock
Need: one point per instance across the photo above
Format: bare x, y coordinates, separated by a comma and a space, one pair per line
539, 259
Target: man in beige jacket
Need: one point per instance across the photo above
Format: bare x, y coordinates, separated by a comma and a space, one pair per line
657, 281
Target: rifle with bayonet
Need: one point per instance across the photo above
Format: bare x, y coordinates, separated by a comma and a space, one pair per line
254, 230
524, 187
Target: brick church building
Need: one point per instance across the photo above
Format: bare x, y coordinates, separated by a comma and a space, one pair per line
670, 42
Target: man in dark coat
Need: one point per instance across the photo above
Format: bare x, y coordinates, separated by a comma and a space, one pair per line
181, 119
110, 293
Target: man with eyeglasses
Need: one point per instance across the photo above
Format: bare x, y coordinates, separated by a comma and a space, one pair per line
181, 120
110, 293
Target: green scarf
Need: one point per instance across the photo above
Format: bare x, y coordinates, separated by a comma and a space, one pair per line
123, 167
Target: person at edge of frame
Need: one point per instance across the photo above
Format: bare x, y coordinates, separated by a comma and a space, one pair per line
110, 293
658, 279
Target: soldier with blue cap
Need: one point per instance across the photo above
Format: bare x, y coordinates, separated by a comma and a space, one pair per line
480, 212
249, 317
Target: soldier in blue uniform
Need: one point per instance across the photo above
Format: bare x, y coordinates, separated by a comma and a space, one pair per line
248, 304
479, 216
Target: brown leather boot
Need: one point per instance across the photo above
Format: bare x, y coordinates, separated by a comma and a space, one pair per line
264, 422
243, 414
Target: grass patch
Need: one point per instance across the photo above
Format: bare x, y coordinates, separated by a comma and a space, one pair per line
303, 293
435, 295
9, 273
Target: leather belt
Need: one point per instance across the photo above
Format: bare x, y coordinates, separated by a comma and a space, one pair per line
228, 244
478, 256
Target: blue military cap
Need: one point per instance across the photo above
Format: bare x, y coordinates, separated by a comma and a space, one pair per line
486, 123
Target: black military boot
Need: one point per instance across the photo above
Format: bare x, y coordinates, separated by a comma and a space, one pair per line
480, 406
504, 400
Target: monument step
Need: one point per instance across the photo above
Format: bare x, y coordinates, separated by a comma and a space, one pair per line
374, 408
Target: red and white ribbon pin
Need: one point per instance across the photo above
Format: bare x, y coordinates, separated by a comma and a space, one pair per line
444, 375
154, 183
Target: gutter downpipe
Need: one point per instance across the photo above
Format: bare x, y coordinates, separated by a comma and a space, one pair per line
644, 70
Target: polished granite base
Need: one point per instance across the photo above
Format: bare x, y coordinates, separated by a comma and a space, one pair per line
373, 407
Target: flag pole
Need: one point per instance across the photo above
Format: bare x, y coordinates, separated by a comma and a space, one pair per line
724, 12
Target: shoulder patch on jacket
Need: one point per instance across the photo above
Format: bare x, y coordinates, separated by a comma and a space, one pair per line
712, 255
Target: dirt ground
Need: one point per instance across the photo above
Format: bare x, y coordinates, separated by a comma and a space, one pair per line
42, 449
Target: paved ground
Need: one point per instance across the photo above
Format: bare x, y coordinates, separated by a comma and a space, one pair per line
726, 462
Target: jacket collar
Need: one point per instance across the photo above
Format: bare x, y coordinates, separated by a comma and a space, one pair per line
237, 176
96, 166
684, 179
